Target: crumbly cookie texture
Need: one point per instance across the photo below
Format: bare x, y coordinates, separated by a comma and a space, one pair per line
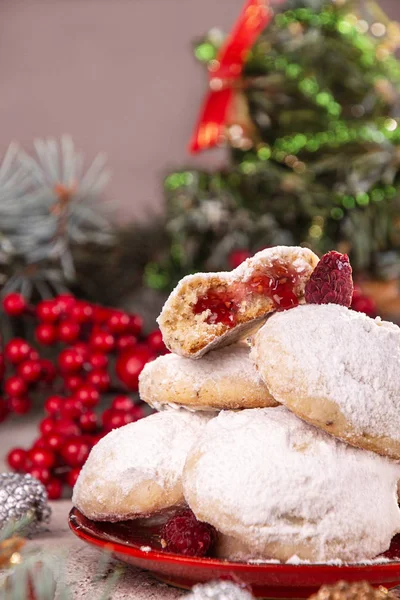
337, 369
136, 470
222, 379
246, 295
276, 487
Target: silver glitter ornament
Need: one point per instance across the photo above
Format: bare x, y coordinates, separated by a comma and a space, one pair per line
23, 501
219, 590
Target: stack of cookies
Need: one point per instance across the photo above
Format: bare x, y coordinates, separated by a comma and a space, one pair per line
279, 414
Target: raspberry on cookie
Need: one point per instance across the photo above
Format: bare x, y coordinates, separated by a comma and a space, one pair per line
225, 379
210, 310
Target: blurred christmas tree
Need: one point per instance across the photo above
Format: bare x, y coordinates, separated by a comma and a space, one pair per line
306, 94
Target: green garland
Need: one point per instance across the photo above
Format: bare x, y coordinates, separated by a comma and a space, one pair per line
330, 20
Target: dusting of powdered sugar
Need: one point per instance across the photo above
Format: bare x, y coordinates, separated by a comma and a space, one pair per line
220, 367
219, 590
329, 351
151, 449
300, 260
158, 406
281, 487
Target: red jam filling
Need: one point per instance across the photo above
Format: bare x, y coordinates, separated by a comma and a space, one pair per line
221, 306
277, 284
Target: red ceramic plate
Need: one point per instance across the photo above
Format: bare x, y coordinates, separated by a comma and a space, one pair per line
139, 545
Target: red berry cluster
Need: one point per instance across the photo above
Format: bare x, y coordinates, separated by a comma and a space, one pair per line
90, 340
67, 435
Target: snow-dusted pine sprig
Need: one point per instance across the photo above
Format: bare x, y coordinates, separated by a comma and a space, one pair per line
48, 204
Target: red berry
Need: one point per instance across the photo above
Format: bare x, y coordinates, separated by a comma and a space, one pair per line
236, 257
48, 311
98, 360
47, 425
136, 324
88, 395
113, 419
15, 386
130, 364
99, 380
40, 443
83, 349
30, 371
54, 441
72, 476
2, 365
75, 452
73, 382
119, 322
14, 305
66, 428
101, 314
70, 361
17, 350
156, 343
124, 403
54, 489
40, 457
68, 331
40, 473
331, 281
49, 372
102, 341
88, 421
81, 312
4, 410
72, 409
137, 412
364, 304
125, 342
184, 534
46, 334
16, 459
65, 302
53, 404
20, 405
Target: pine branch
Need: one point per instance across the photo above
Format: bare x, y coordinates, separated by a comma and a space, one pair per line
48, 205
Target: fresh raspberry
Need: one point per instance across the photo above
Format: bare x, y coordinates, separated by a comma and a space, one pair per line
184, 534
331, 281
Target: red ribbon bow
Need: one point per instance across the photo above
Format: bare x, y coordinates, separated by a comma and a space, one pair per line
229, 63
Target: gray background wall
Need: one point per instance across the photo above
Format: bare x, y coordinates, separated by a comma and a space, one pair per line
116, 74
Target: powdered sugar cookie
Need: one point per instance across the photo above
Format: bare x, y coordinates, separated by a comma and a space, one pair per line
337, 369
210, 310
275, 487
136, 470
223, 379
